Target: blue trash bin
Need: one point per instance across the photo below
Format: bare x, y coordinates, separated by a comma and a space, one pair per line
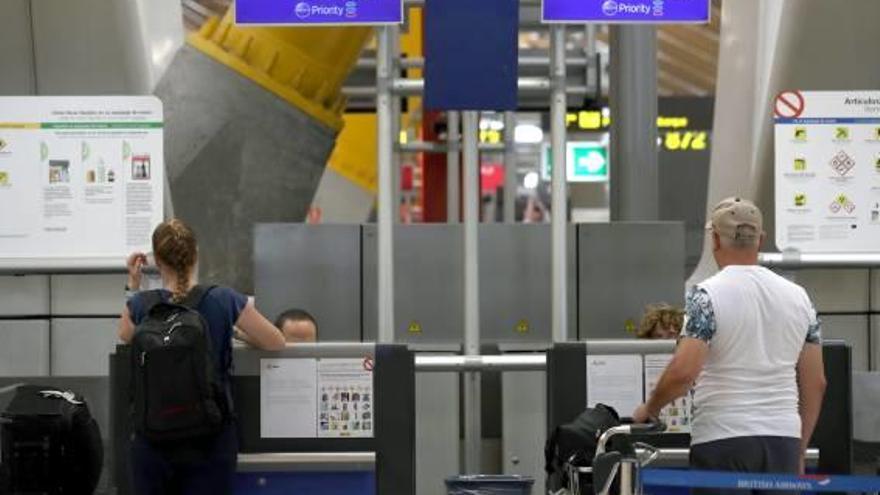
484, 484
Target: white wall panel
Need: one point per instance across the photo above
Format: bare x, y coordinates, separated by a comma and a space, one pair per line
81, 346
836, 290
24, 295
88, 294
853, 330
24, 348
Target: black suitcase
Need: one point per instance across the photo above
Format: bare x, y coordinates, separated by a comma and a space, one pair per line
49, 444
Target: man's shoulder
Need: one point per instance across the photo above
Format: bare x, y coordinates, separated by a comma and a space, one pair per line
785, 284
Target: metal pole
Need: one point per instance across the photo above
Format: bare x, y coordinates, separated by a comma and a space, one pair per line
396, 110
471, 180
386, 213
453, 165
510, 175
634, 173
559, 208
589, 43
590, 55
626, 478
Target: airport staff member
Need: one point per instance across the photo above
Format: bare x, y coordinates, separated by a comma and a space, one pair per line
661, 321
297, 325
752, 344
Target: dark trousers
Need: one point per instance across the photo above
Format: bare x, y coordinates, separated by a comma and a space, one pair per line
208, 468
747, 455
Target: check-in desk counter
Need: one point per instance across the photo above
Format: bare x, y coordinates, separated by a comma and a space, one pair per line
831, 449
276, 457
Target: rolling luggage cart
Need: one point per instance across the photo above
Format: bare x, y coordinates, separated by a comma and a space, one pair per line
598, 479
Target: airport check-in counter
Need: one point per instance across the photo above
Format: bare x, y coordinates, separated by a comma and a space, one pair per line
273, 457
831, 449
330, 270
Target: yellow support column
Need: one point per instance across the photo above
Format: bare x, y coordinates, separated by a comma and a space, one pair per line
304, 66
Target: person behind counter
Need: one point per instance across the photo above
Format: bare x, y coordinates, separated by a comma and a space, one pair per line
203, 465
752, 343
297, 325
661, 321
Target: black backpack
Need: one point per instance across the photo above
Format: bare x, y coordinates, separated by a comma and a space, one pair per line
176, 393
50, 443
576, 442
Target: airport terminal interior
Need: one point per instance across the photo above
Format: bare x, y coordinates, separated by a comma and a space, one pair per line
467, 225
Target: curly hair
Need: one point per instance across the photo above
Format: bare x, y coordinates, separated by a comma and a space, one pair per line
662, 315
175, 246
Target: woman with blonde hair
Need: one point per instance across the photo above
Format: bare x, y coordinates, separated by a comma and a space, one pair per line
203, 465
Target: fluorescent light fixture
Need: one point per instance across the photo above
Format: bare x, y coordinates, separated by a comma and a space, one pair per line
528, 134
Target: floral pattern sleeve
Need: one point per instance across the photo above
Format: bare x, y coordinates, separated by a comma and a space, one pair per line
699, 315
814, 330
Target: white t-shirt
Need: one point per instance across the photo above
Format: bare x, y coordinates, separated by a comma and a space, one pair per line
756, 324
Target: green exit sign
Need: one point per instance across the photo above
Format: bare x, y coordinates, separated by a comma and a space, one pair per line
586, 161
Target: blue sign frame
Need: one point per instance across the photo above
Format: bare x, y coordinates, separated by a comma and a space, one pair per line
305, 13
626, 11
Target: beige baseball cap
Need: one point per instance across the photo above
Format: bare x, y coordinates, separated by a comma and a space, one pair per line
736, 219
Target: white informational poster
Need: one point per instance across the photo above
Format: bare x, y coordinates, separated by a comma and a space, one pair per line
316, 398
827, 171
677, 416
615, 381
346, 398
288, 398
80, 177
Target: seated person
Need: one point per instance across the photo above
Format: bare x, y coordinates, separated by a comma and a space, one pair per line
661, 321
297, 325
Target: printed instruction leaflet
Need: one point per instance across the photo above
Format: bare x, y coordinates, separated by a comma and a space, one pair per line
625, 381
316, 398
616, 381
80, 177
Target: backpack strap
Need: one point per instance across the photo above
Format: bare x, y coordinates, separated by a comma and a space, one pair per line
151, 299
192, 301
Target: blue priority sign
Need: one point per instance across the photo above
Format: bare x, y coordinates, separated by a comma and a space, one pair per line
627, 11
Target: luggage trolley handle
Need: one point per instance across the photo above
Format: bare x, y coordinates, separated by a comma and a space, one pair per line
628, 429
606, 465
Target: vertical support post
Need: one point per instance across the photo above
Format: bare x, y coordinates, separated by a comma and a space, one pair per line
634, 172
453, 165
626, 478
396, 117
590, 42
386, 208
510, 175
559, 201
472, 407
590, 55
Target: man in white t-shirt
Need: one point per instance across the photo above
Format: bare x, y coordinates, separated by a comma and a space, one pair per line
751, 348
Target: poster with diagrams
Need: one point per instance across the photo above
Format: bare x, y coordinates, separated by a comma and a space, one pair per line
827, 171
678, 415
345, 390
80, 177
316, 398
